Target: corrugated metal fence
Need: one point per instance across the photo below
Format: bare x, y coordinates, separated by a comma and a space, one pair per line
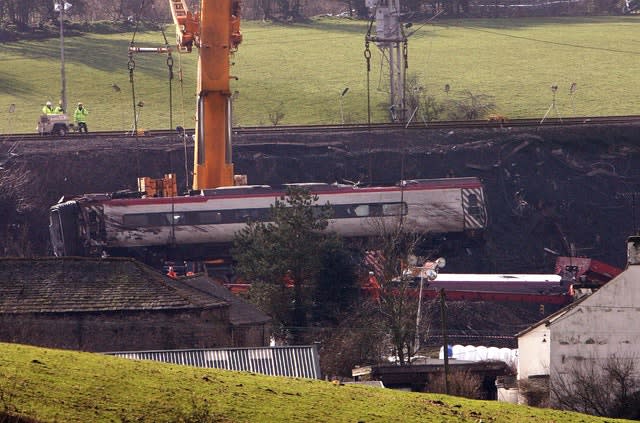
298, 361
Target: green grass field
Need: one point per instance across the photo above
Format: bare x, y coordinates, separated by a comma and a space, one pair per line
302, 69
64, 386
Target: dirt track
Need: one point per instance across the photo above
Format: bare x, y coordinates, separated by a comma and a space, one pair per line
548, 187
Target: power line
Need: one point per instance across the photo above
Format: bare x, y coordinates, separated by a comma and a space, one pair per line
519, 37
471, 28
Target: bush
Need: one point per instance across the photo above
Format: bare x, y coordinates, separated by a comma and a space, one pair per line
462, 383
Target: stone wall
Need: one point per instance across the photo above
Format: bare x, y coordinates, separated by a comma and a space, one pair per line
126, 330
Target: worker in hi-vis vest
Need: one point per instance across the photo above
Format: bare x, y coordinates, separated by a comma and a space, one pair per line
48, 109
80, 118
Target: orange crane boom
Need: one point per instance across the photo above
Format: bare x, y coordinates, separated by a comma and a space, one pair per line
215, 31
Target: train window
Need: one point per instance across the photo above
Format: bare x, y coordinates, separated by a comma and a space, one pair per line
135, 220
375, 210
394, 209
207, 217
256, 214
152, 219
159, 219
338, 211
244, 215
361, 211
323, 211
370, 210
175, 219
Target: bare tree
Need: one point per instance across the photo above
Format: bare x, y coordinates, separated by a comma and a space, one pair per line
461, 383
22, 12
421, 105
276, 114
267, 8
396, 299
470, 106
291, 9
359, 339
535, 391
16, 201
612, 390
356, 7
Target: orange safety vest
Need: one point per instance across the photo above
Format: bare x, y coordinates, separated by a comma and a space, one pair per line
171, 273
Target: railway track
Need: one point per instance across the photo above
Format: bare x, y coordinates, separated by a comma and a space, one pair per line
374, 127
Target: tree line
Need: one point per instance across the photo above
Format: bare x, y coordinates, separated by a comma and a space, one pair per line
23, 15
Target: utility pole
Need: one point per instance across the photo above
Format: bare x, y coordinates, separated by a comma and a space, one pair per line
392, 42
445, 344
62, 7
428, 271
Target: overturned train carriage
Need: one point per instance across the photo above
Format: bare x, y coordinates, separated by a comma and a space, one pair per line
201, 225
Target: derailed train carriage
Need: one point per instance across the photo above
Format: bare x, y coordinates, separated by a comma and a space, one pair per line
203, 225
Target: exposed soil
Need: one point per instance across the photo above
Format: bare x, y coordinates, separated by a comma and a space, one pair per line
568, 190
560, 189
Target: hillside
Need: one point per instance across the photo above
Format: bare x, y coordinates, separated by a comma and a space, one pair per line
300, 70
54, 386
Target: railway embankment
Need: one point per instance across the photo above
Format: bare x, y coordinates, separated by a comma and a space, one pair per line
551, 188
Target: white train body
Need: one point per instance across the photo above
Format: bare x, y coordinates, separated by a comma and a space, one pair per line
97, 223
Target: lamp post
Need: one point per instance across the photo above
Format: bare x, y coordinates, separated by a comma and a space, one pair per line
62, 7
572, 92
116, 89
12, 109
342, 94
429, 272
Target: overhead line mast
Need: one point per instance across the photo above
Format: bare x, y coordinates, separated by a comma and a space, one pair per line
392, 43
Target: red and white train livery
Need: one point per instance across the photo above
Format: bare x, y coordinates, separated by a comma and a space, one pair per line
116, 224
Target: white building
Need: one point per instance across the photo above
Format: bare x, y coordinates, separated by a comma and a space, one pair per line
584, 335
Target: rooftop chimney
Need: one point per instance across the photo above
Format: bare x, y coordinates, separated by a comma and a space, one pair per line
633, 250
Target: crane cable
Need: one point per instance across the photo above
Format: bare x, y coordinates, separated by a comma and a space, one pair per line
367, 56
131, 65
180, 78
184, 132
170, 68
131, 68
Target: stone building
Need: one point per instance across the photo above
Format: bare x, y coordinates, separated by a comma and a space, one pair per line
119, 305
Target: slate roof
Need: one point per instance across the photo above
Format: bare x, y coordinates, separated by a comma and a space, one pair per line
240, 311
73, 284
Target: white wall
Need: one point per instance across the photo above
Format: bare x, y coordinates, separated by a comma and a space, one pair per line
509, 395
533, 353
603, 325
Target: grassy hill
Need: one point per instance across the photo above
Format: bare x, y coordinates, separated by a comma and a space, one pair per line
64, 386
301, 69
